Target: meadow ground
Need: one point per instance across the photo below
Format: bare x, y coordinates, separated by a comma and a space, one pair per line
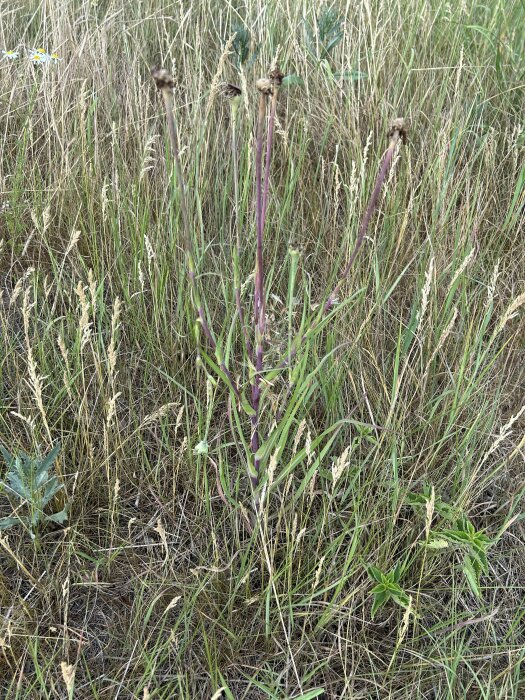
405, 447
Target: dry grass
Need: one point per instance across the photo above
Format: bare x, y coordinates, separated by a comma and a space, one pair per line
159, 587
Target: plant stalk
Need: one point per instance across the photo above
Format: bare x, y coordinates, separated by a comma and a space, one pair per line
165, 84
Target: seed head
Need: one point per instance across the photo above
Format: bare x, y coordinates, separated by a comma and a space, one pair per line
230, 90
276, 76
162, 78
264, 85
398, 125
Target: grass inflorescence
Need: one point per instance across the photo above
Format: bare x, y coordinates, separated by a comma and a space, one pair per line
281, 352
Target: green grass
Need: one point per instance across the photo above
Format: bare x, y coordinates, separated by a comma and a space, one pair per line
158, 586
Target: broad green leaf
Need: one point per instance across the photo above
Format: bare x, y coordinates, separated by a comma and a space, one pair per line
374, 572
6, 523
379, 600
47, 462
436, 543
9, 459
472, 577
60, 517
17, 486
397, 572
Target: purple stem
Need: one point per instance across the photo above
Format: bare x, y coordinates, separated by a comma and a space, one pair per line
269, 143
363, 228
395, 136
259, 288
167, 95
237, 258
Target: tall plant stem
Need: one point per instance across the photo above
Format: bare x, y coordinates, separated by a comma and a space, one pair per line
259, 290
396, 133
165, 83
269, 143
237, 250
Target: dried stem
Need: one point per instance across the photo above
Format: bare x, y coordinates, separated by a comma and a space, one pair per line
266, 87
165, 84
396, 133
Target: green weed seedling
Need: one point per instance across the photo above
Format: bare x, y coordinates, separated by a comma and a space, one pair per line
474, 545
387, 588
31, 481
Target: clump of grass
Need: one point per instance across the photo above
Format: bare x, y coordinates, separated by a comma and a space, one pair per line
400, 414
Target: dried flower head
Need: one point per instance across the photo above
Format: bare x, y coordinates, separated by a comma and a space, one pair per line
276, 76
264, 85
400, 126
162, 78
230, 90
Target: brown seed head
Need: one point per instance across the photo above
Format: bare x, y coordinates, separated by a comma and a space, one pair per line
399, 126
230, 90
264, 85
276, 76
162, 78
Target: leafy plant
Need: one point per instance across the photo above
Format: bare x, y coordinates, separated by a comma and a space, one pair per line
257, 372
327, 33
387, 588
420, 501
242, 45
30, 480
473, 543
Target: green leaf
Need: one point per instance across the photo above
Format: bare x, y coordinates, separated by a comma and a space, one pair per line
201, 448
59, 517
416, 499
6, 523
456, 536
47, 462
246, 405
9, 459
400, 597
437, 543
315, 693
292, 80
351, 75
397, 572
472, 577
379, 600
374, 573
17, 486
